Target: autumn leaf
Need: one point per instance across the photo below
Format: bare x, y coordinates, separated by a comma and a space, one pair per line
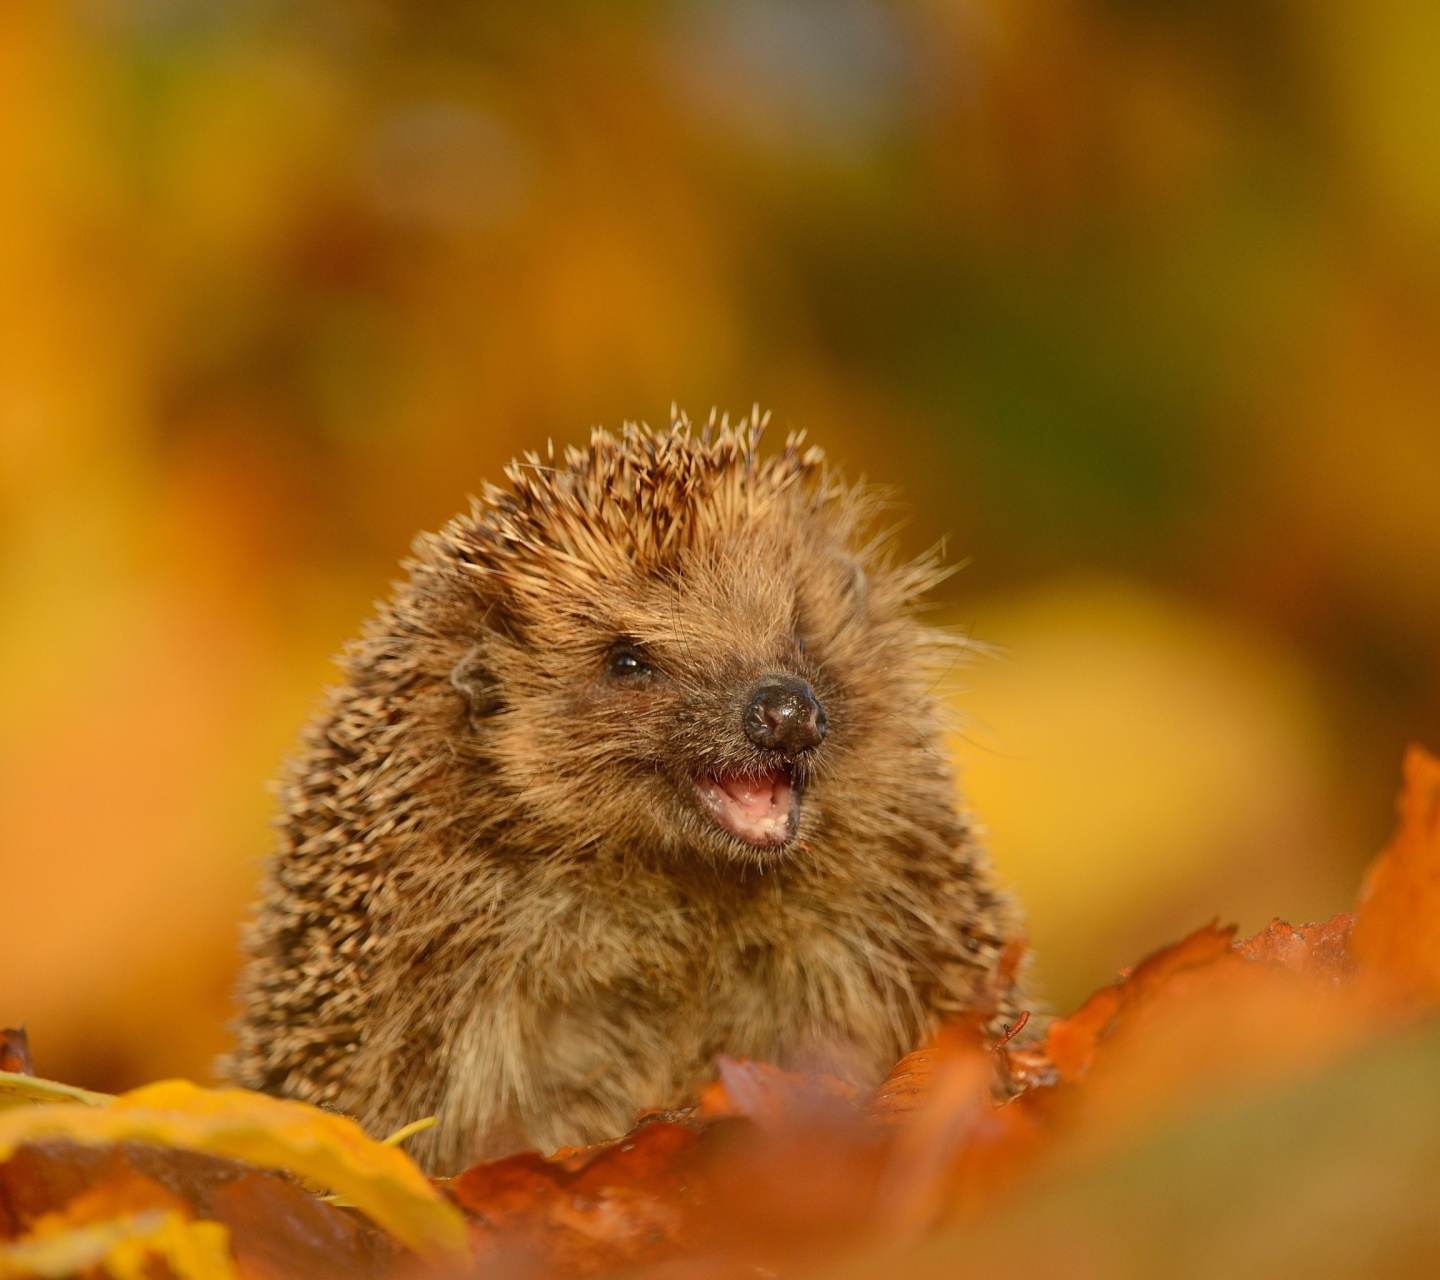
947, 1105
124, 1226
278, 1230
908, 1086
1072, 1043
765, 1094
266, 1132
586, 1210
126, 1248
1396, 938
1321, 950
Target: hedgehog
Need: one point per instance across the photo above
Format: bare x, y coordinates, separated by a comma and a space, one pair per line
642, 764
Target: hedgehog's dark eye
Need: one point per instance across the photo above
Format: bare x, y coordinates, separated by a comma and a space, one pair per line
626, 662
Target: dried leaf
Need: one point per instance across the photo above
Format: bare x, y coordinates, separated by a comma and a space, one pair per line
126, 1193
126, 1248
585, 1211
1316, 949
280, 1232
1071, 1043
268, 1132
277, 1229
765, 1094
123, 1225
948, 1114
1396, 938
908, 1086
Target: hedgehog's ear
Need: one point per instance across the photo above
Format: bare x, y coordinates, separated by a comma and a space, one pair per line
472, 678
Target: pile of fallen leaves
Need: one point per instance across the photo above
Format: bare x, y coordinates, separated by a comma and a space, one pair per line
1271, 1104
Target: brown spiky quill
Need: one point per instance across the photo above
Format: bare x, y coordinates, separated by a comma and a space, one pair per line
642, 764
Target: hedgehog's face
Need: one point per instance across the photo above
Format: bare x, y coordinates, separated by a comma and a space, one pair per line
735, 705
756, 797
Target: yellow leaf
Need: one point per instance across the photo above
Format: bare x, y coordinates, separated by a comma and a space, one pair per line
21, 1091
125, 1247
269, 1132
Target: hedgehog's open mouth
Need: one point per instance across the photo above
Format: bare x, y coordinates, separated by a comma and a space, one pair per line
762, 809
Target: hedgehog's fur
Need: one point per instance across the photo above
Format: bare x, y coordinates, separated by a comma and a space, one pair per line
496, 897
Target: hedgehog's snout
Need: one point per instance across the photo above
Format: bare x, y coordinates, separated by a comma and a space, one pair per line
784, 715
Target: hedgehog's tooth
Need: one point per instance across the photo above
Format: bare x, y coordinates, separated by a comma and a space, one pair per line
761, 810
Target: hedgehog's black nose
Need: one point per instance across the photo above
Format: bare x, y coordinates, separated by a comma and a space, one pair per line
784, 715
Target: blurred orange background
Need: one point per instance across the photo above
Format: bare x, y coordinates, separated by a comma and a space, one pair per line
1137, 301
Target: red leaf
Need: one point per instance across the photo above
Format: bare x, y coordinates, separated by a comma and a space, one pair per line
1072, 1043
1315, 949
280, 1232
1396, 939
588, 1211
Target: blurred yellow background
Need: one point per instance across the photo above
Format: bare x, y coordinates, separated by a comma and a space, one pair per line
1137, 301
